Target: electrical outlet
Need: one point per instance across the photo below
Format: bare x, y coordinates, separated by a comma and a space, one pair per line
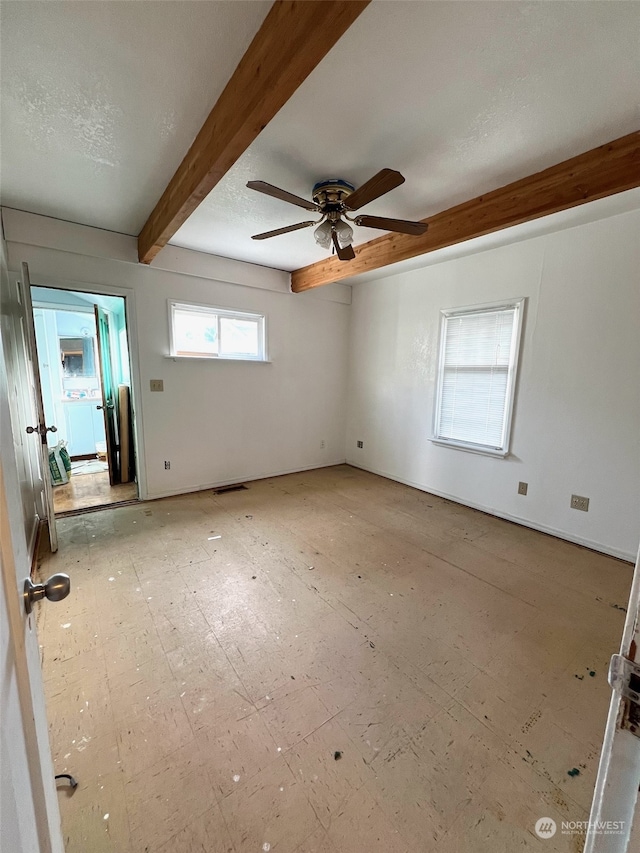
167, 465
323, 444
360, 444
578, 502
156, 384
523, 488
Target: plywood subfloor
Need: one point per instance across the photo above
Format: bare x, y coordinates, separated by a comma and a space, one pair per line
328, 662
86, 490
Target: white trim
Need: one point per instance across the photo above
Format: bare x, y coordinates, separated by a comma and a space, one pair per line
479, 449
483, 307
240, 313
518, 305
250, 478
220, 313
131, 324
218, 358
627, 556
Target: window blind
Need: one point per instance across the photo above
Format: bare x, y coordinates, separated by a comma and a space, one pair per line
475, 376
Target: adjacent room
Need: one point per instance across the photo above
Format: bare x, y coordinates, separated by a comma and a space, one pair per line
86, 394
319, 526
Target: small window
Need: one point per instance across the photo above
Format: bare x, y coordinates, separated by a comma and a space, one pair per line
476, 376
77, 356
198, 331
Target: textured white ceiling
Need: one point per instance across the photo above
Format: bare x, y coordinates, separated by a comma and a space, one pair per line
100, 101
460, 97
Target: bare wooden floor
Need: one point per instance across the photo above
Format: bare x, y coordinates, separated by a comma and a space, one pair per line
328, 662
86, 490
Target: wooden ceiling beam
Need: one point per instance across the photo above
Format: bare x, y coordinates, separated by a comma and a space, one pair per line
294, 37
603, 171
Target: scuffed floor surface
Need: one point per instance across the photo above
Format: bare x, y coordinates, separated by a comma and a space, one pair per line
328, 662
85, 490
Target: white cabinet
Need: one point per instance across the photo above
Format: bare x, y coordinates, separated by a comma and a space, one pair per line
84, 426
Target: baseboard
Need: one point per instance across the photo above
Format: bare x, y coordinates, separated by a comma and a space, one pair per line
33, 545
543, 528
249, 479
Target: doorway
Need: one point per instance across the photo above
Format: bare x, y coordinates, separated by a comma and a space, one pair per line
85, 373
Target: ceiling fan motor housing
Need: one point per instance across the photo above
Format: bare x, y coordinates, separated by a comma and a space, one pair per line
331, 194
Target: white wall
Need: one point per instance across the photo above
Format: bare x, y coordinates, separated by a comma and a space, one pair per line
228, 421
577, 418
576, 426
216, 422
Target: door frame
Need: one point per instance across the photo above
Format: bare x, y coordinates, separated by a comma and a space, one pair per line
131, 323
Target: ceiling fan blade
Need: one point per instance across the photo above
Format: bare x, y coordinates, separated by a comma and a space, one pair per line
385, 181
401, 225
283, 195
278, 231
346, 254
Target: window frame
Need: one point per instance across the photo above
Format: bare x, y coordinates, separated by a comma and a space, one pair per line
518, 305
219, 313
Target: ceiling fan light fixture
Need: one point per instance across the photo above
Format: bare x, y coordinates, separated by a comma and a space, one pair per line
344, 233
335, 198
322, 234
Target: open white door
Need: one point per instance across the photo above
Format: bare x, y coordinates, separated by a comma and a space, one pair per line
30, 815
615, 800
39, 430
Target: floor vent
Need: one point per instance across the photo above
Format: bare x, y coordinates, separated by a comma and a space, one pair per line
221, 490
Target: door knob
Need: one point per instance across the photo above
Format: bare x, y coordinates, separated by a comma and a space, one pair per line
55, 588
108, 406
41, 430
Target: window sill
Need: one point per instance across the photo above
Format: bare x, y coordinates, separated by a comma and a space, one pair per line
218, 358
471, 448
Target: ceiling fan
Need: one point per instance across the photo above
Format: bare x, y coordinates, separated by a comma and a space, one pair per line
333, 198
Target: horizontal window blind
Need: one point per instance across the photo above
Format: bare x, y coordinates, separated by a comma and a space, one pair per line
475, 376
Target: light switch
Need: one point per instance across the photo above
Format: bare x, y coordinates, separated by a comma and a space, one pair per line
156, 384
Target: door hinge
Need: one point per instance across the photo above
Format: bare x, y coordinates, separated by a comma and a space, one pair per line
624, 678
